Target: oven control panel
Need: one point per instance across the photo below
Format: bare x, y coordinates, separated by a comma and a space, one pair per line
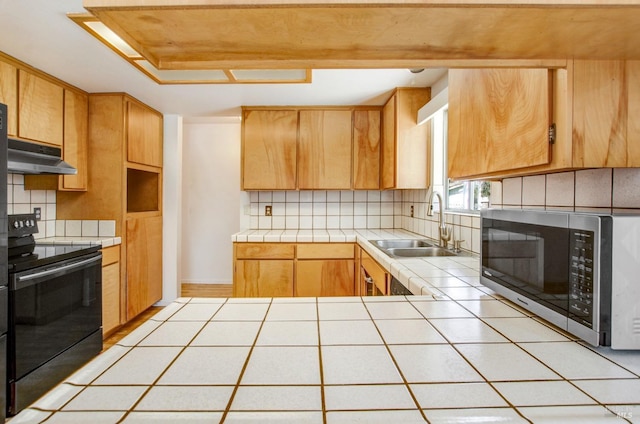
22, 225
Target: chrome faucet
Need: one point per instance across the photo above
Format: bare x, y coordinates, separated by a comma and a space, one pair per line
443, 230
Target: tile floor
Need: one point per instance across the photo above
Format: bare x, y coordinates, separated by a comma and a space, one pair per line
462, 355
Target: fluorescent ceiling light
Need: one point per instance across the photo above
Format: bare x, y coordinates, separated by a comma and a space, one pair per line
188, 76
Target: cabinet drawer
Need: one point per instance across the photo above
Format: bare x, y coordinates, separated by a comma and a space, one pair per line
110, 255
375, 271
265, 251
326, 251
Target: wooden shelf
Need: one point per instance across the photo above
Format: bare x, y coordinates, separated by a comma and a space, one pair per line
143, 190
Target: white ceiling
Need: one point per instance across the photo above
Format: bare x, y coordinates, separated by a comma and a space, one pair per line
39, 33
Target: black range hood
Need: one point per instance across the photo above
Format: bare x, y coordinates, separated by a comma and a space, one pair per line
31, 158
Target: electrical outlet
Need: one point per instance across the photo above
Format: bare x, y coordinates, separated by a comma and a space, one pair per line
267, 210
38, 212
411, 211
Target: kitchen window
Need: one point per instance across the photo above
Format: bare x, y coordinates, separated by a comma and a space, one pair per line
459, 196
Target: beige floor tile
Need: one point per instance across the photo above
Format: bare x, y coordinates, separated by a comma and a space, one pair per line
227, 333
292, 312
196, 312
456, 395
490, 309
569, 414
141, 365
613, 391
392, 310
442, 309
173, 333
408, 331
206, 365
288, 333
573, 361
98, 365
241, 312
172, 417
348, 333
106, 398
166, 312
277, 398
375, 417
353, 398
186, 398
432, 364
477, 415
342, 311
354, 365
274, 417
295, 365
139, 333
84, 417
30, 416
467, 330
536, 393
525, 330
55, 399
505, 362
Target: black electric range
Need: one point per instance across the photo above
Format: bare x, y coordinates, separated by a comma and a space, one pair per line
25, 252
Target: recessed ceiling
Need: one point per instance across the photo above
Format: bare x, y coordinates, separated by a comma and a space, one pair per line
39, 33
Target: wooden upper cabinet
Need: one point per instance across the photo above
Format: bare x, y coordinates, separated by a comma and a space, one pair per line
366, 149
9, 95
144, 135
498, 120
606, 106
41, 109
406, 146
325, 150
76, 121
269, 139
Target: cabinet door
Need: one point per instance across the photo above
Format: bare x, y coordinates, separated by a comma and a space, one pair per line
325, 150
269, 139
9, 95
633, 123
110, 297
144, 135
144, 263
41, 106
413, 150
366, 149
498, 120
263, 278
325, 277
388, 159
76, 120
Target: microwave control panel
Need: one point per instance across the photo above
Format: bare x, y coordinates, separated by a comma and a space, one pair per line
581, 277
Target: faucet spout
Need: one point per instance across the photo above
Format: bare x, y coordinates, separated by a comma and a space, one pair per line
444, 232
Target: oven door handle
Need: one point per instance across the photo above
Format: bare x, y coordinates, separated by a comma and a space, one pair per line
58, 271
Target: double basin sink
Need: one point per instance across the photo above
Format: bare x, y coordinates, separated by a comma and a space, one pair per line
410, 248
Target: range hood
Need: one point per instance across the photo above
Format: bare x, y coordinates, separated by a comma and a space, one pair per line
31, 158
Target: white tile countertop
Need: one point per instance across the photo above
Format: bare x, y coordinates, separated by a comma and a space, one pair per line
103, 241
422, 276
387, 359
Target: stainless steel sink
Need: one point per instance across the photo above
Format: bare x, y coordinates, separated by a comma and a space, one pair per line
419, 252
401, 243
411, 248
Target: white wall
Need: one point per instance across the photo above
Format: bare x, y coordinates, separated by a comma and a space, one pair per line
212, 202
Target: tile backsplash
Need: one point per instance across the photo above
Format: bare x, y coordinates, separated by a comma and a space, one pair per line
20, 201
605, 190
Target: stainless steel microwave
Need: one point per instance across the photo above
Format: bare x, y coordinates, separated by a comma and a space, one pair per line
578, 271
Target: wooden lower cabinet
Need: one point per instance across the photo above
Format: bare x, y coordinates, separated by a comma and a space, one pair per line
263, 278
110, 289
144, 263
303, 269
325, 277
374, 280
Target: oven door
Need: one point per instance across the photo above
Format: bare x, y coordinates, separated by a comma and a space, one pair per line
52, 309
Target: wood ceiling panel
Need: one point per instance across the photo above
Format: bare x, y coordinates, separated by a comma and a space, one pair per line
345, 35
